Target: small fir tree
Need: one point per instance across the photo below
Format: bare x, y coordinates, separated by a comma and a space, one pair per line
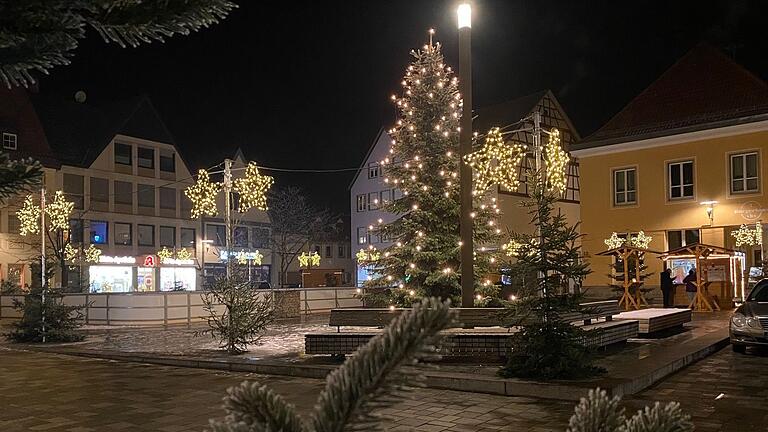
549, 269
423, 165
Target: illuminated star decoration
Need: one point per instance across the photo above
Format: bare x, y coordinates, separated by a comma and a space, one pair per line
92, 254
309, 259
368, 255
614, 241
73, 255
556, 161
164, 254
183, 254
58, 211
253, 188
29, 217
256, 258
495, 163
640, 240
203, 195
70, 253
747, 236
242, 257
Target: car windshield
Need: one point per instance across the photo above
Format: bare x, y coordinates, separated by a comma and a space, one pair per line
759, 293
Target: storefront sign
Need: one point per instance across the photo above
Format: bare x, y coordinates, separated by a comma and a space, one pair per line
178, 262
750, 210
106, 259
248, 255
149, 261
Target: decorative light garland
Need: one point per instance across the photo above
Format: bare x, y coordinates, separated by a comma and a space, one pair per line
253, 188
203, 195
58, 211
72, 254
29, 217
495, 163
309, 259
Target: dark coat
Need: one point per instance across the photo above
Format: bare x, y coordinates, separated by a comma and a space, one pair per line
666, 281
690, 282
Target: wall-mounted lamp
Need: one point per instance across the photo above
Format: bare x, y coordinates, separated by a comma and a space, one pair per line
710, 208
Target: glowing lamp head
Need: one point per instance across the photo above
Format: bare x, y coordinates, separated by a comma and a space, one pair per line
464, 13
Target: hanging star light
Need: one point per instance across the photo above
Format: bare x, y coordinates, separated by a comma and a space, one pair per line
746, 236
183, 254
368, 255
164, 254
71, 254
58, 211
242, 257
614, 241
253, 188
29, 217
495, 163
309, 259
556, 161
640, 240
92, 254
256, 257
203, 195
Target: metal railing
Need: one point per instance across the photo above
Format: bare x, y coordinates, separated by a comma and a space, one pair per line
185, 307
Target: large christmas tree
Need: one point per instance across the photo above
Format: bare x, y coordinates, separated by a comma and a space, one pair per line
423, 260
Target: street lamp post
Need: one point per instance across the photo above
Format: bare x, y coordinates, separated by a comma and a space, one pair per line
464, 13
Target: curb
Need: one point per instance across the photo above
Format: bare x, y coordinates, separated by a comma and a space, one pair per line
562, 390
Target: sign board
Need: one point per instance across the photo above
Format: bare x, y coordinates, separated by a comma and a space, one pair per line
107, 259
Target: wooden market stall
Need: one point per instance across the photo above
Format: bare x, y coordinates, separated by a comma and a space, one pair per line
631, 258
719, 275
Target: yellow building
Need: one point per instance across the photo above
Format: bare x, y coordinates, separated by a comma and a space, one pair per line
698, 134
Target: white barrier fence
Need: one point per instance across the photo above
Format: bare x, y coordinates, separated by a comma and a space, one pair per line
186, 307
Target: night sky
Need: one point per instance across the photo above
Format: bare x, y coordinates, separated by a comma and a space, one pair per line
306, 85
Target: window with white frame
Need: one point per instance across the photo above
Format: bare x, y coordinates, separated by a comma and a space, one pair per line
680, 177
373, 201
624, 187
362, 202
679, 238
745, 172
10, 141
362, 235
386, 196
373, 170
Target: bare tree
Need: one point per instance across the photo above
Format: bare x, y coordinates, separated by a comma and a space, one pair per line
295, 224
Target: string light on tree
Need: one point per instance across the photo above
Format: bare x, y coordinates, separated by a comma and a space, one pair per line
495, 163
556, 161
203, 195
29, 217
253, 188
92, 254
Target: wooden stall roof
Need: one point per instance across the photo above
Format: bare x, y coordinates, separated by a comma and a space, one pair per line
623, 249
698, 249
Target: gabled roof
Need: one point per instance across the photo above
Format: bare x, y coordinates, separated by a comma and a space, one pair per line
702, 90
363, 164
17, 115
79, 132
505, 113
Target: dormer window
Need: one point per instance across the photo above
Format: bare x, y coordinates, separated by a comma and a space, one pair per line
10, 141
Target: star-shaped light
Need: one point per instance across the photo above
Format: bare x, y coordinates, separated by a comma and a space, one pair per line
253, 188
309, 259
495, 163
203, 195
92, 254
556, 161
368, 255
29, 217
614, 241
58, 211
183, 254
164, 254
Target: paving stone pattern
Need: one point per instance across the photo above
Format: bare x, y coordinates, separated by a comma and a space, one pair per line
48, 392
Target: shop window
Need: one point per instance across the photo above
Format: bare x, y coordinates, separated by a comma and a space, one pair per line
73, 189
168, 198
178, 278
362, 235
216, 233
624, 188
328, 251
745, 173
168, 236
260, 237
373, 170
187, 237
145, 158
146, 195
76, 231
373, 201
123, 234
123, 192
362, 202
146, 234
10, 141
145, 279
679, 238
99, 190
680, 177
167, 162
240, 236
123, 154
108, 279
99, 231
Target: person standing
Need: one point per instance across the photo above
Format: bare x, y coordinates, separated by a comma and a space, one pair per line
690, 286
667, 288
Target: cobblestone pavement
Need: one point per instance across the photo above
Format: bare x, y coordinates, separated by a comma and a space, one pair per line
60, 393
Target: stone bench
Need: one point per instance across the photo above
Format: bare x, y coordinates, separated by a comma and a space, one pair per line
656, 319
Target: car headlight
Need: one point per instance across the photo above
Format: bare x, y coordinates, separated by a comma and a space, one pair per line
738, 320
753, 322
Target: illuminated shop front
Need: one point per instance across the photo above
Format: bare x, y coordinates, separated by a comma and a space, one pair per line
145, 273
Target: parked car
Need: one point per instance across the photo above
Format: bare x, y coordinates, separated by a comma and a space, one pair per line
749, 322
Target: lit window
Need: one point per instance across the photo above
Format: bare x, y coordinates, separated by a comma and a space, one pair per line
99, 230
373, 201
362, 202
624, 189
10, 141
680, 180
362, 235
745, 173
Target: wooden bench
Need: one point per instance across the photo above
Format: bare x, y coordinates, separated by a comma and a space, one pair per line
467, 342
656, 319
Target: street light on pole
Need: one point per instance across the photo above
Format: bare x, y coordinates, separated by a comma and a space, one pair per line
464, 13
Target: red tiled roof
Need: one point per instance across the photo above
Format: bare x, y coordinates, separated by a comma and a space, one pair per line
704, 86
